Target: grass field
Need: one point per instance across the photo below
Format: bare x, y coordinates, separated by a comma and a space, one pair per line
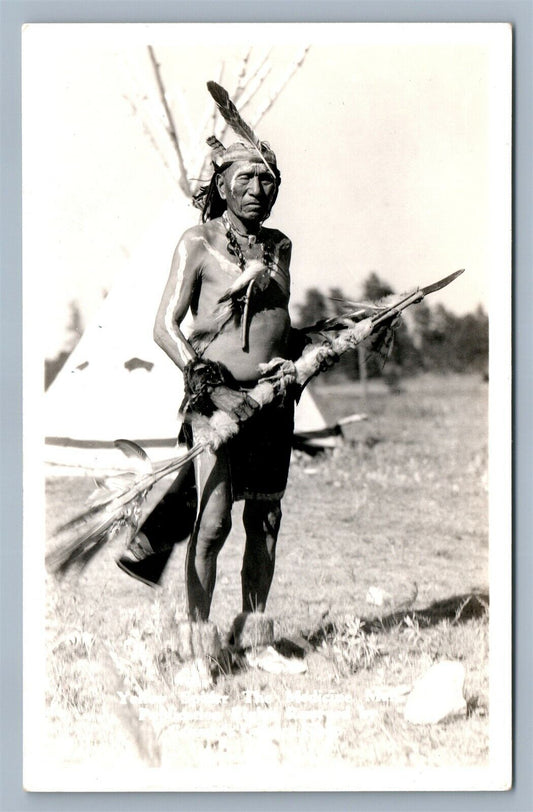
404, 502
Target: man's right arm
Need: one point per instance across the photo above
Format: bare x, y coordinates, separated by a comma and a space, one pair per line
176, 300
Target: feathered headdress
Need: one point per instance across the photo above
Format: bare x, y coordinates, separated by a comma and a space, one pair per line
233, 118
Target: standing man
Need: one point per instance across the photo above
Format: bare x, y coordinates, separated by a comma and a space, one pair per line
232, 273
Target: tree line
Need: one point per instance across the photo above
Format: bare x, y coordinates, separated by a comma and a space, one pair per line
429, 338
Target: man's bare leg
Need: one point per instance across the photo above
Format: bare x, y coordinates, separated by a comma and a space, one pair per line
261, 522
211, 530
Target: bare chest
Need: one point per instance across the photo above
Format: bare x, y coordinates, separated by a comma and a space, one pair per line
227, 271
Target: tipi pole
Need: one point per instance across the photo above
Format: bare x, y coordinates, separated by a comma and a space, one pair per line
184, 181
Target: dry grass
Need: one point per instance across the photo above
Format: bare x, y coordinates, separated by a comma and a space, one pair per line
404, 501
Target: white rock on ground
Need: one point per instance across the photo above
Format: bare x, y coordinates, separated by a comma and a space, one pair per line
401, 600
268, 659
377, 596
437, 695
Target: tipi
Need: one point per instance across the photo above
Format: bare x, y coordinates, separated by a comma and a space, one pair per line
117, 382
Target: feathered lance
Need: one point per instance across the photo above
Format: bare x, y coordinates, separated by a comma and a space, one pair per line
119, 506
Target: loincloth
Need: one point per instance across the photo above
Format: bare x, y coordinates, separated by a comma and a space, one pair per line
259, 455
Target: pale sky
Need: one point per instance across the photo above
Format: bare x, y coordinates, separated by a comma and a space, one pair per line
393, 144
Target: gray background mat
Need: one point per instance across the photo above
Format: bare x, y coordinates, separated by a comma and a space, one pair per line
12, 16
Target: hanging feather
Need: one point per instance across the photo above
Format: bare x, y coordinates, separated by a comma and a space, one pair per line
233, 118
344, 321
84, 535
254, 269
382, 342
355, 312
84, 547
134, 452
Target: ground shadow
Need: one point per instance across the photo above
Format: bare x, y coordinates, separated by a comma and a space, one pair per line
457, 609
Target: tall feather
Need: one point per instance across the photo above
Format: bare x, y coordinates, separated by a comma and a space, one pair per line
233, 118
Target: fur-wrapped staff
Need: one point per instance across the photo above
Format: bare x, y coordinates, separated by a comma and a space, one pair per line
215, 414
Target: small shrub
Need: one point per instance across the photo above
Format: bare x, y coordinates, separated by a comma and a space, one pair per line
350, 647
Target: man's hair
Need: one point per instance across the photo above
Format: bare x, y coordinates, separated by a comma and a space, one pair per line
208, 198
209, 201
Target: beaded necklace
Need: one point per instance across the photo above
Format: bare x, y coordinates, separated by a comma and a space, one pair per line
235, 249
242, 298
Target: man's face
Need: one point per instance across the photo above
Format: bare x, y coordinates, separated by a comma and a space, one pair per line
249, 190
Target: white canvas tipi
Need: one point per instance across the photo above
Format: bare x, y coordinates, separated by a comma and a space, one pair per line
117, 383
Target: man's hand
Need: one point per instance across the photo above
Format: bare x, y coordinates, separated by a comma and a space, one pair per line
327, 357
279, 372
206, 387
239, 405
